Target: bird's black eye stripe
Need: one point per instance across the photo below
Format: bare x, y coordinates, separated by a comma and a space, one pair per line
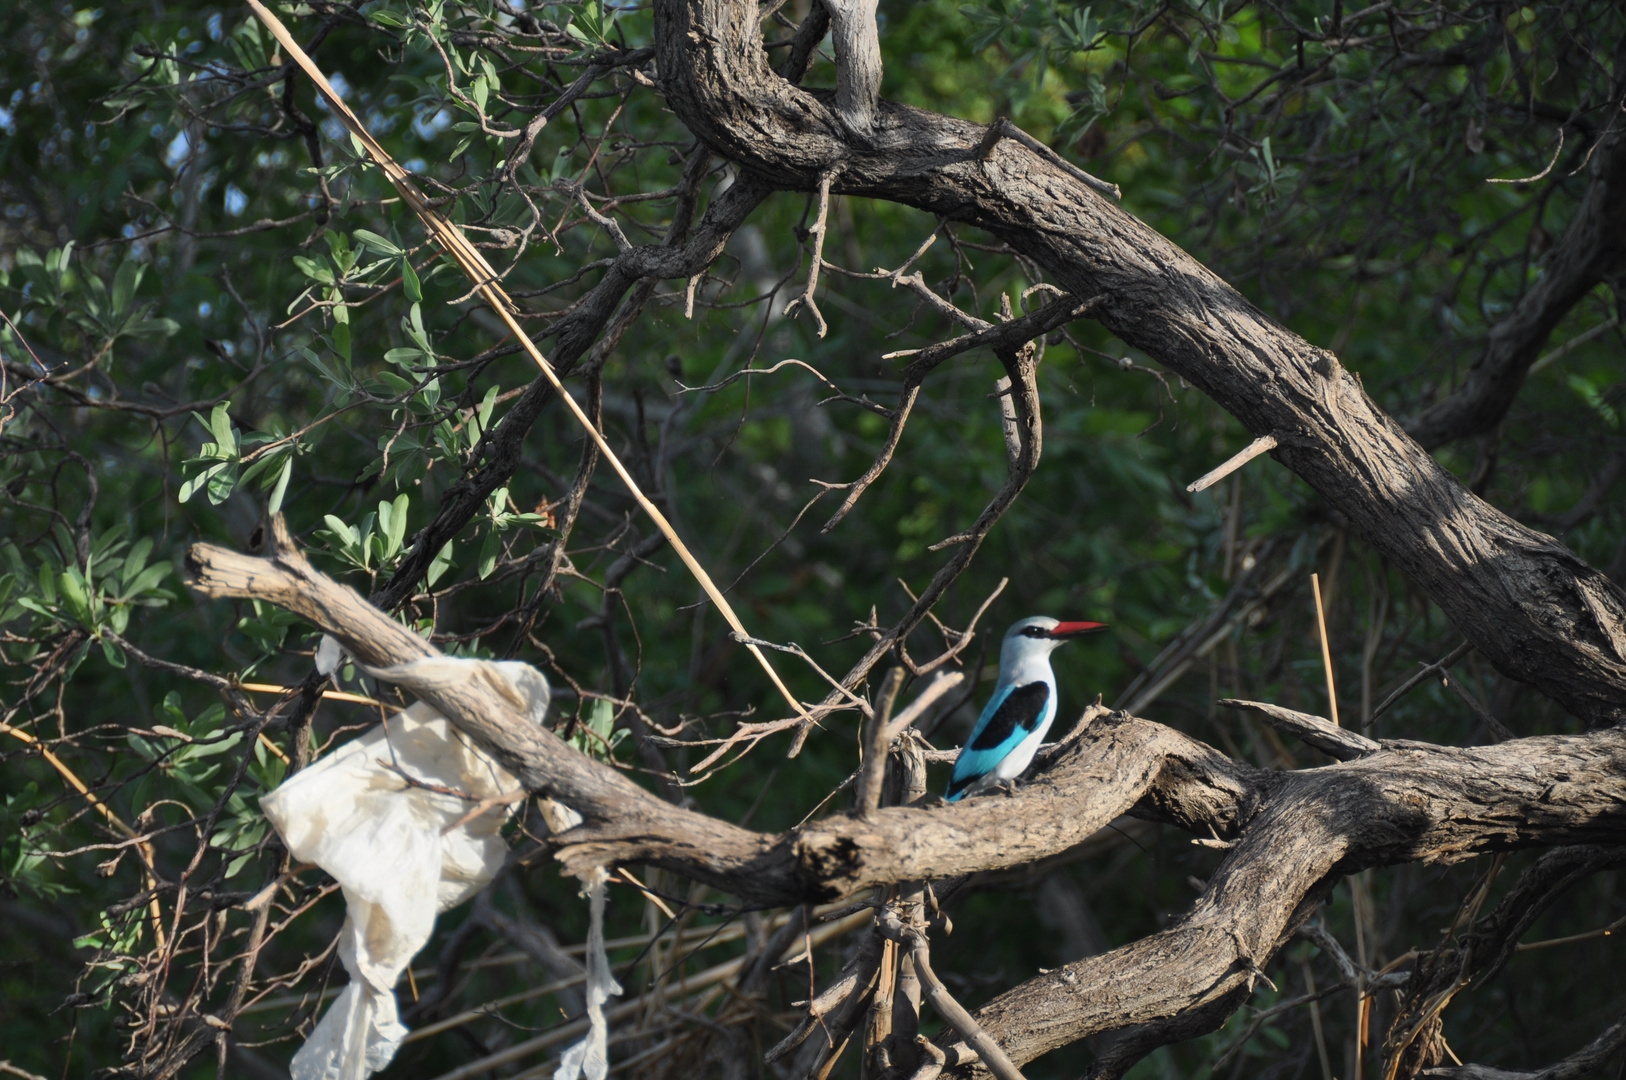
1035, 631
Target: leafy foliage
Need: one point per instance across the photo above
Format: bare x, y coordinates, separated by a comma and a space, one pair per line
215, 310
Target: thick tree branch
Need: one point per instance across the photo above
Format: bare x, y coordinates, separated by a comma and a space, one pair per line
1398, 805
1293, 834
858, 62
1528, 604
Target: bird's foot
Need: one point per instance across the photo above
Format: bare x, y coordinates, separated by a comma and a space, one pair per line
1007, 787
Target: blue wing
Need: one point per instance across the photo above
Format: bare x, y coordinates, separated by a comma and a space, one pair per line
1009, 717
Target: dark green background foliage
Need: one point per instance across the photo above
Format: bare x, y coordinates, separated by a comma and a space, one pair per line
215, 309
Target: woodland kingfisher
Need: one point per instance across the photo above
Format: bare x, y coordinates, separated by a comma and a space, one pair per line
1014, 721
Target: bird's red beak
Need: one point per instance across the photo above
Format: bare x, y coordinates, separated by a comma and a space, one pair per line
1076, 629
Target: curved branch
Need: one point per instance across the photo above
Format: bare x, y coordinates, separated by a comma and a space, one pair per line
1584, 1062
1294, 834
1529, 605
1409, 802
1591, 251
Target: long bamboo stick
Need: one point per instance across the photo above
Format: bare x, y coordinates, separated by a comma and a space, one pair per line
1326, 651
484, 278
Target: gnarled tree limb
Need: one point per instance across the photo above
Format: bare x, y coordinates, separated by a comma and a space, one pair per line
1528, 604
1295, 834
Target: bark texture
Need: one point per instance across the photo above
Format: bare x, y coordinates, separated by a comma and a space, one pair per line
1525, 601
1291, 835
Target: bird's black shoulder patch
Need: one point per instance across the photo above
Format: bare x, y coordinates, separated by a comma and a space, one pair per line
1021, 709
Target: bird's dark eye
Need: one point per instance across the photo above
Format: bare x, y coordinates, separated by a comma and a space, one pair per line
1035, 631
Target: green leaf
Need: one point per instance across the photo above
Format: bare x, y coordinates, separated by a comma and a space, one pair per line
281, 489
197, 483
153, 328
380, 245
125, 283
339, 245
561, 163
428, 397
341, 338
409, 282
407, 358
413, 326
314, 270
343, 531
222, 481
145, 581
97, 300
596, 736
219, 425
71, 585
28, 603
1594, 398
439, 564
489, 550
392, 519
394, 382
601, 718
482, 417
107, 544
365, 543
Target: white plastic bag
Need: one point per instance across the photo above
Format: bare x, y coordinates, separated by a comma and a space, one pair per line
391, 845
590, 1057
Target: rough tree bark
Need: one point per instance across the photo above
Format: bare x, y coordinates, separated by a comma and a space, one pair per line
1525, 601
1292, 835
1528, 604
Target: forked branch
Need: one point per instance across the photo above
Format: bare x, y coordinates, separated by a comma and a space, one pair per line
1293, 834
1529, 605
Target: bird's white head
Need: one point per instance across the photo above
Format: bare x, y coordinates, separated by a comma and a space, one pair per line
1037, 636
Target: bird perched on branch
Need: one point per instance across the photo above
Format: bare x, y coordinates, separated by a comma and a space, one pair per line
1014, 721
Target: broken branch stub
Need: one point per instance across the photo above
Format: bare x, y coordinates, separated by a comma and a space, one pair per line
1329, 738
